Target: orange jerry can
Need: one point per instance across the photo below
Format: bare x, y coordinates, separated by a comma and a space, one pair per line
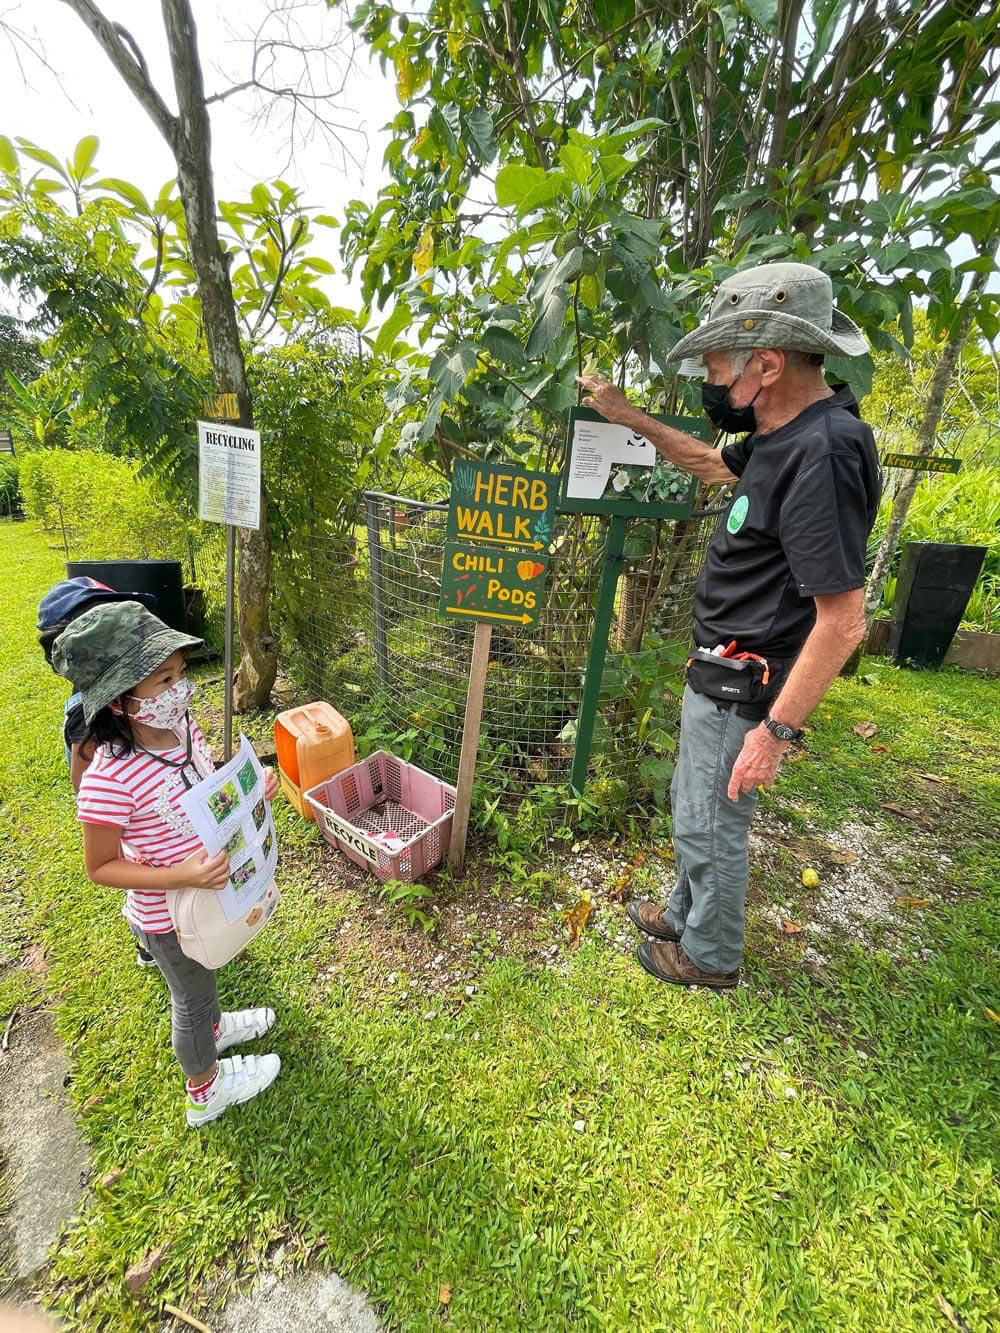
313, 743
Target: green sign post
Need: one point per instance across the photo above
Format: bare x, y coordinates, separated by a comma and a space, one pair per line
922, 462
489, 583
612, 470
499, 526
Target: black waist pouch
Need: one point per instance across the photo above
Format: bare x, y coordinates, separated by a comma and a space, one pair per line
732, 682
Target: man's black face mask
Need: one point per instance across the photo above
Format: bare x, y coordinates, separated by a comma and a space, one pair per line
721, 412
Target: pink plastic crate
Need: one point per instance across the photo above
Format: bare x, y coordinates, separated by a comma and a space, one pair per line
387, 815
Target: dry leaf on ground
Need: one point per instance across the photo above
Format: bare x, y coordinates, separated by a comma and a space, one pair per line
576, 918
444, 1293
139, 1274
866, 730
791, 928
992, 1013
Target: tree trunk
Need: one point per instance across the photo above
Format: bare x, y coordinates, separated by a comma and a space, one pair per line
193, 152
189, 135
941, 379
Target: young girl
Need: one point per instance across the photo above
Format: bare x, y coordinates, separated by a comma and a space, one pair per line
129, 668
60, 606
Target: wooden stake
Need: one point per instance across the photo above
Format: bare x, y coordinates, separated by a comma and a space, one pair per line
470, 745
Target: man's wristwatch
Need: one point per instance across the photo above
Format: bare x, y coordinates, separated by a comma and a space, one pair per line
782, 731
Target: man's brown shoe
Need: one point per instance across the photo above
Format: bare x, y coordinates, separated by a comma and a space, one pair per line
669, 962
649, 917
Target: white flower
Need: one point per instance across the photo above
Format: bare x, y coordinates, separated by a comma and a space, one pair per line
620, 480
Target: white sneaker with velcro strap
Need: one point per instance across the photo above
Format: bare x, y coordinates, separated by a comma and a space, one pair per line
240, 1078
242, 1025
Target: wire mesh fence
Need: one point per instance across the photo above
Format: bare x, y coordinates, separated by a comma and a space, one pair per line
369, 638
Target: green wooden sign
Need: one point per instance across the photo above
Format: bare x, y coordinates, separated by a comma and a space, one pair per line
500, 505
489, 583
921, 463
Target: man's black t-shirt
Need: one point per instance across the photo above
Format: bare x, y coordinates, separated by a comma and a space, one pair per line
795, 528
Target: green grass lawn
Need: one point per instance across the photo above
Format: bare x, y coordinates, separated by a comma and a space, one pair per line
815, 1151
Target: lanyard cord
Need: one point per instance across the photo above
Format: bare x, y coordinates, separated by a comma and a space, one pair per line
181, 765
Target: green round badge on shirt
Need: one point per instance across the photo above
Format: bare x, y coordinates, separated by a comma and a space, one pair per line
738, 513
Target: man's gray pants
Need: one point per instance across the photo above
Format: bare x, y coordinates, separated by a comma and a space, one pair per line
707, 907
194, 1002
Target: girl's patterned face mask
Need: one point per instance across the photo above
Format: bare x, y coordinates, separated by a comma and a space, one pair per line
166, 709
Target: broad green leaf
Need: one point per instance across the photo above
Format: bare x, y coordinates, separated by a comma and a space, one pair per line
591, 290
526, 188
763, 12
549, 321
325, 220
502, 344
577, 162
83, 156
127, 191
393, 326
480, 126
261, 199
41, 155
450, 368
8, 156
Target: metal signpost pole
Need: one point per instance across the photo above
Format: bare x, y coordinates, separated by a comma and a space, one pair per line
229, 493
227, 714
613, 555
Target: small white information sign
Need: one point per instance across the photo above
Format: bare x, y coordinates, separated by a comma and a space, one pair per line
228, 474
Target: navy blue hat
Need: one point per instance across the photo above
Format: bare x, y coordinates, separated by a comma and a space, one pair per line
69, 597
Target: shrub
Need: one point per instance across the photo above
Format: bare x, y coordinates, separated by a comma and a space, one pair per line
10, 490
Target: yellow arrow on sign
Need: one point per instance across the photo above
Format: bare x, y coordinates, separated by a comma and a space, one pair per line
523, 618
497, 541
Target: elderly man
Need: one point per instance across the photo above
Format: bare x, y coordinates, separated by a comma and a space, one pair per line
779, 605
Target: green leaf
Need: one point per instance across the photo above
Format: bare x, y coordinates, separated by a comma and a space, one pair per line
8, 156
83, 156
450, 368
393, 326
41, 155
549, 322
502, 344
261, 199
126, 191
577, 162
325, 220
479, 124
763, 12
526, 188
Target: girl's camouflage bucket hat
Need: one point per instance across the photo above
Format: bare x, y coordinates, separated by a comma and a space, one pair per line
109, 649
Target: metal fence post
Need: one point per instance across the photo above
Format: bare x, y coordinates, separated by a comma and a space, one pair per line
598, 651
378, 588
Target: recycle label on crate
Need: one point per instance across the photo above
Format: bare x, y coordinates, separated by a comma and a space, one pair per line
489, 583
339, 829
500, 505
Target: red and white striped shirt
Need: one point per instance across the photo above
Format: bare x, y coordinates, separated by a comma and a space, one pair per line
139, 795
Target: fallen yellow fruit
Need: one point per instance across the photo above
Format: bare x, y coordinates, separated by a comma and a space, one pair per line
810, 878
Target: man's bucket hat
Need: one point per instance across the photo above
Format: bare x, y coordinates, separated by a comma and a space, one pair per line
109, 649
68, 597
774, 305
